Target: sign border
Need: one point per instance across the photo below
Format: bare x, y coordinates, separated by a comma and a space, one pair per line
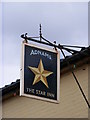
22, 73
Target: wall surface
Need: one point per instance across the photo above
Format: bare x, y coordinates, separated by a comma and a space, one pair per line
72, 104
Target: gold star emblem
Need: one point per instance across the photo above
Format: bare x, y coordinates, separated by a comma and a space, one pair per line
40, 74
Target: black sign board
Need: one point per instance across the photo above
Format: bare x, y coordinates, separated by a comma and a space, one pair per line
40, 73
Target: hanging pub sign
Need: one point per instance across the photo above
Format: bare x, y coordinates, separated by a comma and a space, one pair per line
40, 73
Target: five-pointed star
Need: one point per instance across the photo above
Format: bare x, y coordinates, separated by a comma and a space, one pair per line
40, 74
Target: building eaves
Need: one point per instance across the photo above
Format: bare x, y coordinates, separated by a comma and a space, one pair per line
83, 54
14, 87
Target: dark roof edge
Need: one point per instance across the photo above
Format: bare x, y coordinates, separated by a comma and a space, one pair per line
13, 88
76, 57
